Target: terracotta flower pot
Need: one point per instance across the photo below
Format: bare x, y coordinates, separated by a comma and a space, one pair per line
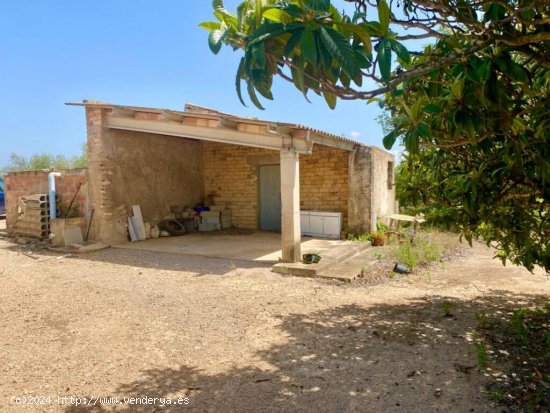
377, 242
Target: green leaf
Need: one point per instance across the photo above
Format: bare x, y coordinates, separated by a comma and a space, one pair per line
407, 110
317, 5
384, 16
346, 81
267, 31
253, 97
389, 139
335, 14
330, 99
494, 12
293, 41
238, 78
297, 72
307, 46
358, 78
228, 18
412, 143
215, 40
258, 55
384, 58
360, 33
242, 14
424, 130
481, 73
432, 108
373, 28
210, 25
264, 89
258, 13
290, 8
457, 88
277, 15
218, 5
325, 58
400, 50
340, 50
516, 72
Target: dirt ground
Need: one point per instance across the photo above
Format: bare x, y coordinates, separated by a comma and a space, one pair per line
236, 337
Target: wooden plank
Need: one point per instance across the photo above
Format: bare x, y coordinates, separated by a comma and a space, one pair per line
132, 231
137, 221
408, 218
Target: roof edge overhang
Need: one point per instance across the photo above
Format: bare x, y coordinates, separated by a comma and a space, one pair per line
198, 122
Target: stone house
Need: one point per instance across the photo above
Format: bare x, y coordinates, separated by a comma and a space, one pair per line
264, 172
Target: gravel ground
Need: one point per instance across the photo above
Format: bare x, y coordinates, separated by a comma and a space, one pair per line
226, 336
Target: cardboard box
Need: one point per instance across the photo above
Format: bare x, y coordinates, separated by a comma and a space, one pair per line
211, 220
209, 227
226, 222
210, 214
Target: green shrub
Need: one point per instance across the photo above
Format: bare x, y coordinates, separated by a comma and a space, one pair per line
422, 252
362, 238
431, 251
482, 358
409, 255
446, 305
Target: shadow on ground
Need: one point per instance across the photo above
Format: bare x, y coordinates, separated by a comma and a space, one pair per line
384, 358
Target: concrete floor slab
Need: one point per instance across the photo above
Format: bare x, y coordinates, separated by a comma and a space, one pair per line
262, 247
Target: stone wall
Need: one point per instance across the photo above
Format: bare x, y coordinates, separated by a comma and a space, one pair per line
383, 193
231, 173
371, 188
128, 168
26, 183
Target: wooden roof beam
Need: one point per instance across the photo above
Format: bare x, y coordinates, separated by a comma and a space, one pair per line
208, 133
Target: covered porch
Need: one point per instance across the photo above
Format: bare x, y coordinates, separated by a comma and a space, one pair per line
114, 133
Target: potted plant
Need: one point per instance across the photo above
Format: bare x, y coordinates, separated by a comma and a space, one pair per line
378, 239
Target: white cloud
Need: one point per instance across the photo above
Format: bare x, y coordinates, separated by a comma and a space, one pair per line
354, 134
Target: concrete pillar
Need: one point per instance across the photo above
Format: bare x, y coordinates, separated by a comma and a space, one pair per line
361, 214
290, 205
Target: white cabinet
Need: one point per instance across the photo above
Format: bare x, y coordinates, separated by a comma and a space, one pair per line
332, 226
321, 224
304, 222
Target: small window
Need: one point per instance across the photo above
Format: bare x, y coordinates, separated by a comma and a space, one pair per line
390, 175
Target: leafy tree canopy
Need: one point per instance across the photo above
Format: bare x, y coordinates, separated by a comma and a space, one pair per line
44, 161
471, 108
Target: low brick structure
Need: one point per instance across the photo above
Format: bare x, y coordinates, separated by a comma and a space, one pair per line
27, 183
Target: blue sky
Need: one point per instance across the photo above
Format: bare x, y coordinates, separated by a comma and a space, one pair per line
133, 52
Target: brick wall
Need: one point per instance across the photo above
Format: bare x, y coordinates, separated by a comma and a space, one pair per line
26, 183
324, 180
231, 171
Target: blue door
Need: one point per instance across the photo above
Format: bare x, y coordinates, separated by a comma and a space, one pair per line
270, 197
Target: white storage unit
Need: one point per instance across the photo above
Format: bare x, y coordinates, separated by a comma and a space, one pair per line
321, 224
304, 222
